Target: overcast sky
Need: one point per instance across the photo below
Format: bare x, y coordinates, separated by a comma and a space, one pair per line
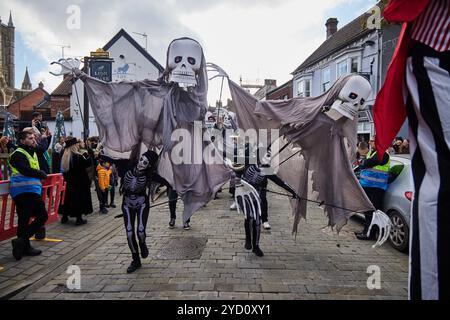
264, 39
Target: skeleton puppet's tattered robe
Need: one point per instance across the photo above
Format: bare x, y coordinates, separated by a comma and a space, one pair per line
325, 147
129, 113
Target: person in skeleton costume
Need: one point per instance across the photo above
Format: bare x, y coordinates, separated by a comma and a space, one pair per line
251, 198
319, 137
136, 205
150, 112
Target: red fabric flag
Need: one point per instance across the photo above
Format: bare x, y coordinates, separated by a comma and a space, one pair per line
389, 110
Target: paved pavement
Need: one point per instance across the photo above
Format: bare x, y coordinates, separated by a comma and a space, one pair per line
315, 265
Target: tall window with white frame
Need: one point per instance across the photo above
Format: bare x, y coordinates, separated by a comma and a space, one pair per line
304, 88
354, 65
341, 68
326, 79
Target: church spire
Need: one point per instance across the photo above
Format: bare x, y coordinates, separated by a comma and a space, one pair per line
26, 84
10, 23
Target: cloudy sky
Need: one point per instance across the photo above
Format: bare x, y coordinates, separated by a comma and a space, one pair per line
263, 39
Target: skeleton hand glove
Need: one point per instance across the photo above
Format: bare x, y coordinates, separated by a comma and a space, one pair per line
383, 222
247, 199
215, 68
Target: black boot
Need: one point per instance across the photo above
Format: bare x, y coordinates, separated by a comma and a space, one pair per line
135, 264
144, 250
363, 236
18, 248
40, 234
80, 221
255, 240
257, 250
30, 251
248, 233
367, 221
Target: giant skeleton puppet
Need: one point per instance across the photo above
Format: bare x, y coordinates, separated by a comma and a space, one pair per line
319, 137
130, 113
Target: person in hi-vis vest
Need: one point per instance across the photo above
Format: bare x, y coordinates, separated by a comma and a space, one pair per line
374, 180
26, 191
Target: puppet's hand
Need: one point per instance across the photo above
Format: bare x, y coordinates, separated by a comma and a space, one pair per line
77, 72
247, 199
68, 66
211, 67
380, 219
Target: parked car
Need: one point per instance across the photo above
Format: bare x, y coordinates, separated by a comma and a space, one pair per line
398, 200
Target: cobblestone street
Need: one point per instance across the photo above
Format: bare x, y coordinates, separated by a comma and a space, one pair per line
316, 265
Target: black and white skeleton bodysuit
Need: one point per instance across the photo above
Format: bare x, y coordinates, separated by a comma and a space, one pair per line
258, 179
135, 185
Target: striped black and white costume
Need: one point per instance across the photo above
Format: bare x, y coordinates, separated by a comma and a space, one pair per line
428, 109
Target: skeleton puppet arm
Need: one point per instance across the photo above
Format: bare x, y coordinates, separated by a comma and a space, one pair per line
277, 180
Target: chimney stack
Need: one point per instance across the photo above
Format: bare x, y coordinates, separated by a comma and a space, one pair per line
270, 82
331, 25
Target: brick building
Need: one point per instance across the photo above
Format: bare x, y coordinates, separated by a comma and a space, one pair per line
60, 98
282, 92
36, 100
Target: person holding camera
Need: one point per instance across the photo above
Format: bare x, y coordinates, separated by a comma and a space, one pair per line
43, 139
37, 120
56, 155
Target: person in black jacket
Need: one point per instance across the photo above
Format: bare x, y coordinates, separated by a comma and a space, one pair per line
26, 191
375, 192
78, 201
43, 140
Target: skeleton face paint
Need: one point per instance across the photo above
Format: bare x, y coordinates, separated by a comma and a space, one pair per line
184, 61
265, 161
351, 98
265, 164
143, 163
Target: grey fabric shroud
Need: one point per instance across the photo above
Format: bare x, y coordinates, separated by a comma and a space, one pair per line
130, 113
327, 150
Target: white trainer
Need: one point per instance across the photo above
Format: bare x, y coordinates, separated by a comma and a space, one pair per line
266, 225
233, 206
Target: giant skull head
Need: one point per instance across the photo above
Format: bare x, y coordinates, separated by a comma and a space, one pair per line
184, 61
351, 98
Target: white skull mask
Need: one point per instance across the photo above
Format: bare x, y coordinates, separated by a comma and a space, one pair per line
143, 163
227, 120
265, 163
184, 61
351, 98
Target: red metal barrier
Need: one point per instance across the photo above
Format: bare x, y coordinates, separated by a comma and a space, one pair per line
53, 194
